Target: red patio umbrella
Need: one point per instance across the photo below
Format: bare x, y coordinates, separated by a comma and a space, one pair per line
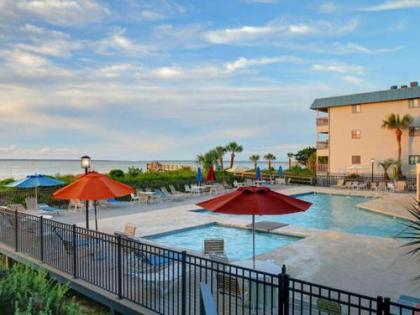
93, 186
254, 201
211, 176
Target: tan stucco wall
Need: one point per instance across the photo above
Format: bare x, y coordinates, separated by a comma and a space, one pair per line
376, 142
418, 182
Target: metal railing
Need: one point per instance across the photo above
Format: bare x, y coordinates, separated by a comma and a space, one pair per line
322, 145
322, 167
322, 121
168, 281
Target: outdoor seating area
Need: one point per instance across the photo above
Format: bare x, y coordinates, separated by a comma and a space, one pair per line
381, 186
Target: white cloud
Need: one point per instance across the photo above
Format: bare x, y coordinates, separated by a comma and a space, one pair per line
339, 68
243, 62
249, 33
353, 80
117, 42
261, 1
62, 12
327, 7
394, 5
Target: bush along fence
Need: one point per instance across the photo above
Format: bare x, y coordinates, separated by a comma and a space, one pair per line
168, 281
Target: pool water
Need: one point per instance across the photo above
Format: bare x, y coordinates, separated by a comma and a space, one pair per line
238, 242
339, 213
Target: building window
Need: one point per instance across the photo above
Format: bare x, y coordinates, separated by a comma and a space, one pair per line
413, 159
414, 131
356, 159
414, 103
356, 134
356, 108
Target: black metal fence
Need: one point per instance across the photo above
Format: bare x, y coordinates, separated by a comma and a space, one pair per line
168, 281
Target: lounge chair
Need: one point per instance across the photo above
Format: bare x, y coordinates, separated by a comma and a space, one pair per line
31, 203
16, 207
187, 189
401, 186
363, 185
174, 191
215, 249
48, 209
229, 285
170, 196
340, 184
68, 242
390, 186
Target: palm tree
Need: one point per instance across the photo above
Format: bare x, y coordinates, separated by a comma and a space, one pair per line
254, 158
233, 148
386, 164
290, 155
269, 157
413, 232
220, 152
398, 124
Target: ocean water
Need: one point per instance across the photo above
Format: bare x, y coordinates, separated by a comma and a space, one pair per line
21, 168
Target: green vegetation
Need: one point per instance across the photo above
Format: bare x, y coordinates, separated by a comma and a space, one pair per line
397, 124
254, 159
303, 155
299, 171
24, 291
116, 174
412, 234
233, 148
386, 164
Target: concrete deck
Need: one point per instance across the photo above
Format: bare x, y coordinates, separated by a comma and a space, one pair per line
362, 264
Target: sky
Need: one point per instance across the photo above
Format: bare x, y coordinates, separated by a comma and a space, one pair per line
168, 79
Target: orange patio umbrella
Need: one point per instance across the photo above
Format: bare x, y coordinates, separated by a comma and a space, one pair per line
93, 186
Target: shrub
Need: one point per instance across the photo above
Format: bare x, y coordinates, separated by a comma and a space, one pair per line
116, 173
26, 291
134, 171
299, 171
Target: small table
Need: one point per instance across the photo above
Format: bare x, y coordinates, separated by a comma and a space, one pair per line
147, 195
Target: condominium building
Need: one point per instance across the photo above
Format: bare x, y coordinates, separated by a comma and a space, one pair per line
350, 137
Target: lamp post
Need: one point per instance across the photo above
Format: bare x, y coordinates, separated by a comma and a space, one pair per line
85, 162
373, 163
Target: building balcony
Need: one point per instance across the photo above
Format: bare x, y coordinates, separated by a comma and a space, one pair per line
322, 145
322, 125
322, 168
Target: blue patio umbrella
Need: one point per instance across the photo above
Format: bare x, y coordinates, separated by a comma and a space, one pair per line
258, 173
280, 171
35, 181
199, 176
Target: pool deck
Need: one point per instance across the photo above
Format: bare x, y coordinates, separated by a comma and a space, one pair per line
363, 264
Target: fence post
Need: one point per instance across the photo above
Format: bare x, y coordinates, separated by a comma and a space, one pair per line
119, 269
16, 231
41, 235
379, 305
74, 252
387, 306
184, 282
283, 292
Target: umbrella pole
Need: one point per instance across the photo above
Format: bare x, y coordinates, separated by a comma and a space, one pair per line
87, 214
96, 218
36, 197
253, 241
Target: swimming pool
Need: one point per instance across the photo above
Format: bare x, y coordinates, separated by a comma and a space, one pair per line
238, 242
339, 213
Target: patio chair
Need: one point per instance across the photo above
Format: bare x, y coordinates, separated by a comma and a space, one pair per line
187, 189
129, 231
390, 186
363, 186
134, 197
373, 186
348, 185
401, 186
170, 196
382, 186
340, 184
16, 207
75, 204
46, 208
174, 191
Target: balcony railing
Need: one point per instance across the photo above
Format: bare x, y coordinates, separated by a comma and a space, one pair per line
322, 145
322, 168
322, 121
